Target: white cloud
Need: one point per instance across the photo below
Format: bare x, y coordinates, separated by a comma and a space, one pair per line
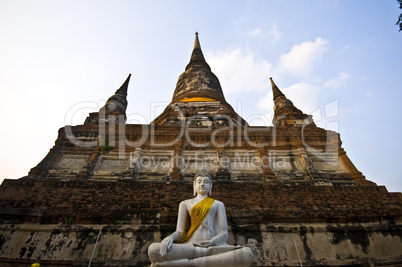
338, 81
239, 71
274, 33
301, 59
255, 32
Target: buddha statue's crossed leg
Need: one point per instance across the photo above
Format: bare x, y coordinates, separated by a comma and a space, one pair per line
235, 258
185, 251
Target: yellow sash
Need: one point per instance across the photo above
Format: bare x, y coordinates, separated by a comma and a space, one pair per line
198, 214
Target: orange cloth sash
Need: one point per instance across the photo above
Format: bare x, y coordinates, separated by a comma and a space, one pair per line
198, 214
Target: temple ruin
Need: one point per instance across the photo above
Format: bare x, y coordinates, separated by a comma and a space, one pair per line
108, 189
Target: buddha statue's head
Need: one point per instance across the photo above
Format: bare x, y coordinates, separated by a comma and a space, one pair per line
202, 183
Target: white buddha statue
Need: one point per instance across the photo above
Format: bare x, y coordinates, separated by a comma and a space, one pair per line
205, 243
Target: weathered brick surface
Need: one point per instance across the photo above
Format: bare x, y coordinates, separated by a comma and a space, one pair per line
157, 203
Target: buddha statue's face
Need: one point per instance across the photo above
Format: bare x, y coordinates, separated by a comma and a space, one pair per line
202, 185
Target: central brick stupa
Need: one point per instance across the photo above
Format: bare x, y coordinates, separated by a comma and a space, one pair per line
108, 189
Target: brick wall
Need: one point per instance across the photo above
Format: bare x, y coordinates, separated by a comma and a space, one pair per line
127, 202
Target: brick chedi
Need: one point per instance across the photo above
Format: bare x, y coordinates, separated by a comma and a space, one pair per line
108, 189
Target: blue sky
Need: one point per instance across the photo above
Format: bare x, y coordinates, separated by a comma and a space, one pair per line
338, 60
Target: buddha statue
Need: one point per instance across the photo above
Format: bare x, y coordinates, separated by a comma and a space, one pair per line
205, 243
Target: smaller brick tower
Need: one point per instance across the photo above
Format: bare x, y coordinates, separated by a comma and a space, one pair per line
285, 112
114, 111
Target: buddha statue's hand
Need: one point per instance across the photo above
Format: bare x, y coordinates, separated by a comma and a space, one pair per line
205, 244
166, 244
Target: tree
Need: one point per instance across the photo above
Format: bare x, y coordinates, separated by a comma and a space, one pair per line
399, 22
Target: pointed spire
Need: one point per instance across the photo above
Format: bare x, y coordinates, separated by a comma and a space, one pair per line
198, 82
285, 113
123, 88
280, 99
197, 57
114, 109
275, 89
198, 91
117, 103
197, 41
